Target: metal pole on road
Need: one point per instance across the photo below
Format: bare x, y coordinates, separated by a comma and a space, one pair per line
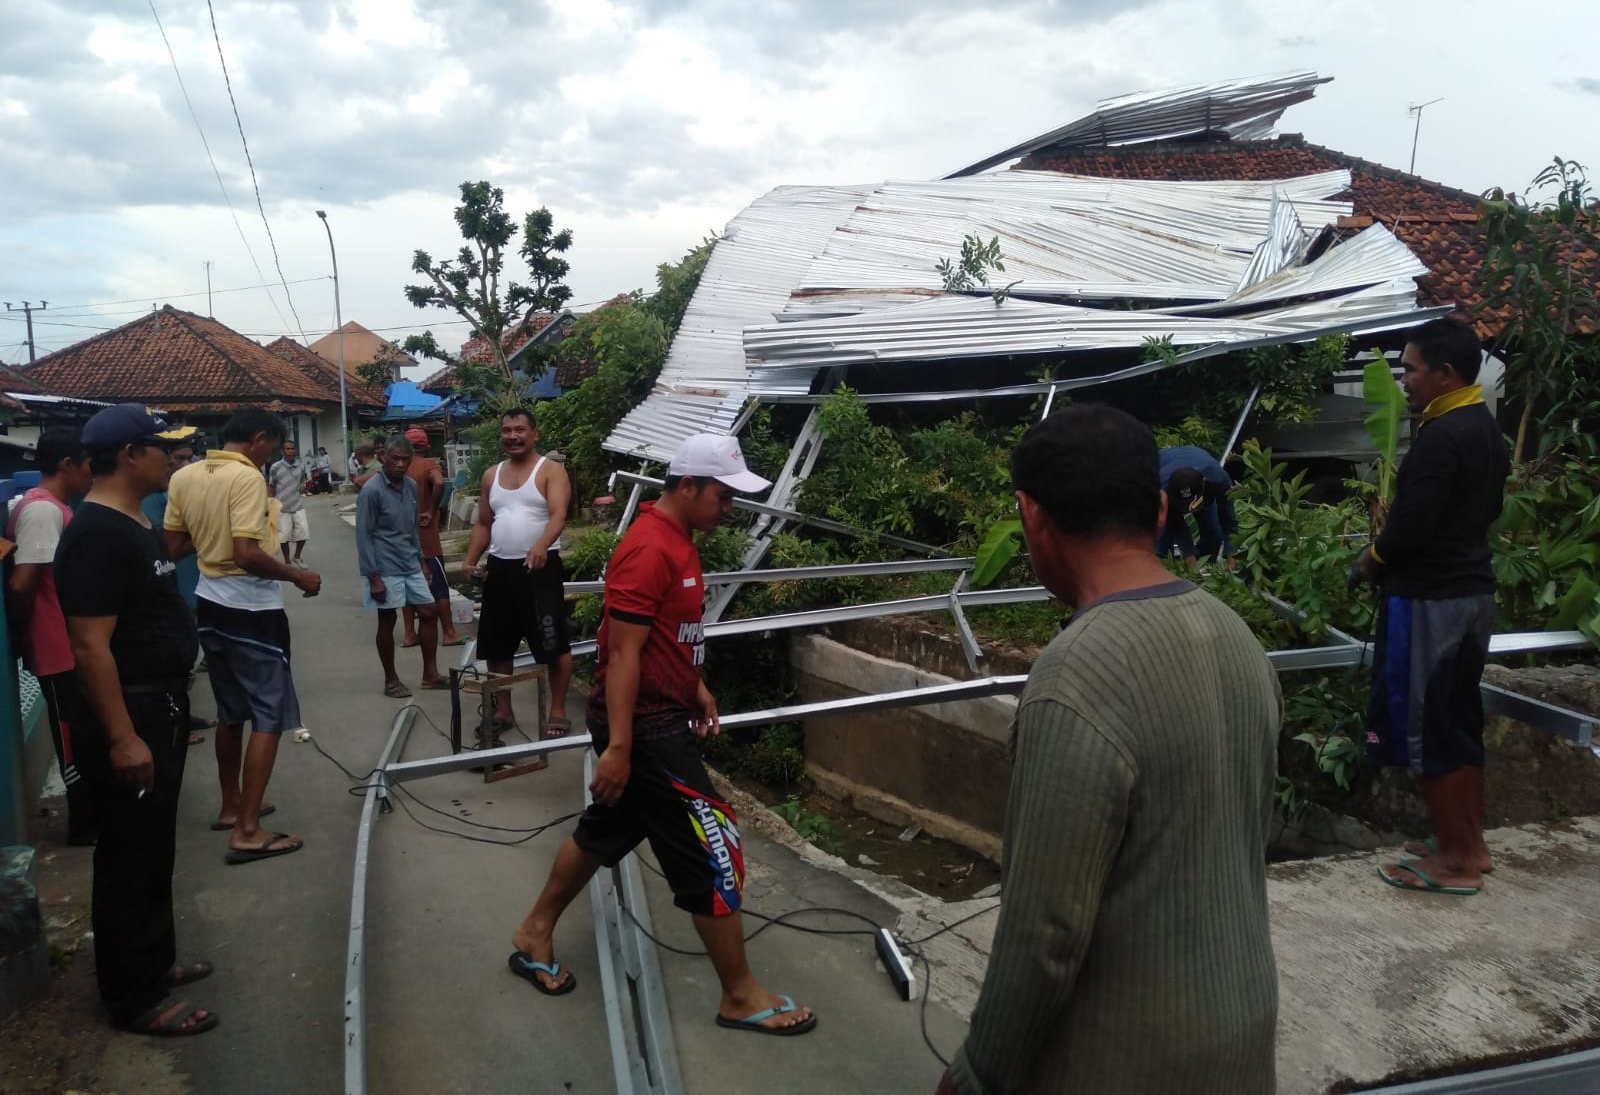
338, 323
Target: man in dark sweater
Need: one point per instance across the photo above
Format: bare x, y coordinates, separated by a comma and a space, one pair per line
1435, 579
1132, 952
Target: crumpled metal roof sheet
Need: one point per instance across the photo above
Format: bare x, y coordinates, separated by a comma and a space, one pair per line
752, 269
1066, 237
1244, 109
783, 355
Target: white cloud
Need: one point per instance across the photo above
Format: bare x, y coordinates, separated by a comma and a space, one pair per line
645, 123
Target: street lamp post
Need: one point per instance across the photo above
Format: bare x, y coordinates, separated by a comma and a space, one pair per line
338, 321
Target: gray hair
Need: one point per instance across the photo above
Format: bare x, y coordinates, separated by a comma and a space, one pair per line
399, 444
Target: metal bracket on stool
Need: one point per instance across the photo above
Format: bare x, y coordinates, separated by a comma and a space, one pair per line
485, 688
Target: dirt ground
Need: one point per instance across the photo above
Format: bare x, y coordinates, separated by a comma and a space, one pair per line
53, 1046
936, 867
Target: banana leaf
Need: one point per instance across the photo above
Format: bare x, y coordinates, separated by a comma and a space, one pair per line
1379, 390
999, 547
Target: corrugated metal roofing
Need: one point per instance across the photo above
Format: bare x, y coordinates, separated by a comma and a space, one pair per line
785, 357
1063, 237
748, 278
1244, 109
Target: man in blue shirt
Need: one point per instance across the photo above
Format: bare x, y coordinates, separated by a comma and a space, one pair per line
390, 553
1196, 486
180, 455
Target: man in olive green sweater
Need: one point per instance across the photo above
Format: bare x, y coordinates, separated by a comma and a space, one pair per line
1132, 952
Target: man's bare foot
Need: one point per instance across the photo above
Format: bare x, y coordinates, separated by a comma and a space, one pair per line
1423, 848
538, 946
738, 1009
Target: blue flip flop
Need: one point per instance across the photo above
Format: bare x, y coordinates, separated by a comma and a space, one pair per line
753, 1022
527, 969
1430, 887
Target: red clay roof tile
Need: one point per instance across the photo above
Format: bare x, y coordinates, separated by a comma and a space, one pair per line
1439, 223
173, 358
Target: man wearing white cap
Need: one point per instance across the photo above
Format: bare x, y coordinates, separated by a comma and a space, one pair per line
649, 781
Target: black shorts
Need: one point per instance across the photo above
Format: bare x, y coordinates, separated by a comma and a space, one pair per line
668, 801
519, 604
1426, 712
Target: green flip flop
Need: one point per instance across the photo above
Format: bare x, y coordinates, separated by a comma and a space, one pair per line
1431, 885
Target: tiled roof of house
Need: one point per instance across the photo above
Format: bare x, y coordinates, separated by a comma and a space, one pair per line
1439, 223
176, 360
574, 371
358, 393
476, 350
360, 347
13, 381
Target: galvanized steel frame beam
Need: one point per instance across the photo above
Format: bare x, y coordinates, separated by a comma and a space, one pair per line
644, 1055
355, 966
1565, 1074
803, 519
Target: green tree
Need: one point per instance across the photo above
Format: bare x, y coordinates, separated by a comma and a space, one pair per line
1540, 268
621, 348
676, 283
469, 284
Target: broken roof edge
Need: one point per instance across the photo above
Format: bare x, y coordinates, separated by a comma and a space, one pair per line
1192, 110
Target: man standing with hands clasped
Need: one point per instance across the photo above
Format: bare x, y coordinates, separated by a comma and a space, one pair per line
649, 781
522, 510
219, 509
1435, 577
134, 641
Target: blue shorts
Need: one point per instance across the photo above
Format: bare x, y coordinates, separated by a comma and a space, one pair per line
400, 591
438, 583
247, 661
1426, 712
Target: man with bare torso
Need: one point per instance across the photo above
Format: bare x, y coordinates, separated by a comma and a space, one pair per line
522, 510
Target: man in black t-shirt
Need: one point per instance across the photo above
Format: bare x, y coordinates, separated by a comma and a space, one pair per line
133, 641
1434, 569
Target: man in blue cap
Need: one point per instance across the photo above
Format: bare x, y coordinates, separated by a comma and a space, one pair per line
1197, 486
133, 642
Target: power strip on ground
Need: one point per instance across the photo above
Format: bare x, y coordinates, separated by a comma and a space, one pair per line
896, 964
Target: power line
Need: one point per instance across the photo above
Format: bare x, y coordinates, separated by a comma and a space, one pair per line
181, 296
207, 145
248, 160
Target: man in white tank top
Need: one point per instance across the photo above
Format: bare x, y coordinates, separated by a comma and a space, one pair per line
522, 510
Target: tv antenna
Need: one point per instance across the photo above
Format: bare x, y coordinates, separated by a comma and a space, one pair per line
1417, 108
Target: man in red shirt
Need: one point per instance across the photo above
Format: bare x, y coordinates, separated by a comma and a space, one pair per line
36, 525
649, 782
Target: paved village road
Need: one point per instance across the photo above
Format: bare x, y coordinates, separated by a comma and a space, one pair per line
445, 1015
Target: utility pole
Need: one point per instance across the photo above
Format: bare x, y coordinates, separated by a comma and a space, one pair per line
1417, 108
27, 310
209, 313
338, 322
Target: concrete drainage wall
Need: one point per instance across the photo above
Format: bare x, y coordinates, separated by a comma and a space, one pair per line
944, 766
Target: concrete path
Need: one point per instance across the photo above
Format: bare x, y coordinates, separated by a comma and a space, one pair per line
445, 1015
1374, 981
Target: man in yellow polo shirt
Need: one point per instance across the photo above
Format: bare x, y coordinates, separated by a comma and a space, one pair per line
220, 510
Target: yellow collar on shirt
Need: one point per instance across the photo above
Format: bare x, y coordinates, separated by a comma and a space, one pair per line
1449, 401
229, 454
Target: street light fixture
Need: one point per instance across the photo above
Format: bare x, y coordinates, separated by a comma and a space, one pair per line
338, 321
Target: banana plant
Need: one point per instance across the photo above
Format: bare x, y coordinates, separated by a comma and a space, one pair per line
1379, 391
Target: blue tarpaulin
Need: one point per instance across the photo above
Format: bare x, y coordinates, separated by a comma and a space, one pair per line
406, 400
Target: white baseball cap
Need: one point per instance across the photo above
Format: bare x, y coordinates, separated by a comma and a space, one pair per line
716, 456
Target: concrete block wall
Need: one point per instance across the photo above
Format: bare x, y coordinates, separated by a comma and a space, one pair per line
944, 766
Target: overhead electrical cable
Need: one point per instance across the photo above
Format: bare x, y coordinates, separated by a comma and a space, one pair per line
226, 79
180, 296
207, 145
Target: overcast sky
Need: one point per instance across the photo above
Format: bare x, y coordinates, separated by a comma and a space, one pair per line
643, 125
